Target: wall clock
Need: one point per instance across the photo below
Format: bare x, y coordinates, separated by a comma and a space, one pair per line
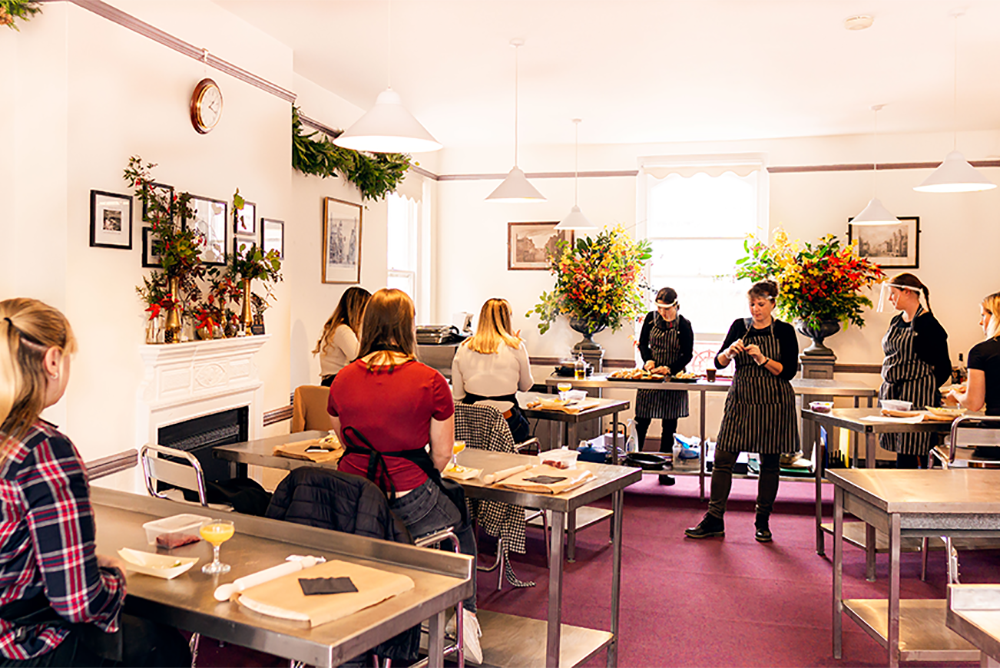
206, 106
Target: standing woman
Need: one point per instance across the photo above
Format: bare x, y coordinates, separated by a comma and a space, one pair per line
492, 366
916, 362
338, 344
760, 409
60, 601
666, 340
983, 389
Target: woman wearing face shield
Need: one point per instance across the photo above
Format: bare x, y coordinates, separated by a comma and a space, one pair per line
666, 345
983, 389
916, 362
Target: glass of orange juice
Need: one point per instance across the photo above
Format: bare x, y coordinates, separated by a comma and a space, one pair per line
564, 389
217, 532
456, 448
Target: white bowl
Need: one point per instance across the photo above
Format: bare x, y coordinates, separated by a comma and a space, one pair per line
821, 406
896, 404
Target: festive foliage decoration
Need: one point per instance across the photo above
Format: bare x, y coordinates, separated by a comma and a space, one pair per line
17, 9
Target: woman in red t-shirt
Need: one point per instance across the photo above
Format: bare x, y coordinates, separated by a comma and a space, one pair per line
386, 408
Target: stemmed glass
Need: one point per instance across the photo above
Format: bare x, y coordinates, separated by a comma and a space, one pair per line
217, 532
456, 448
564, 389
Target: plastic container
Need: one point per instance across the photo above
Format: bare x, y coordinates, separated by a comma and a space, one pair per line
562, 458
175, 530
896, 404
821, 406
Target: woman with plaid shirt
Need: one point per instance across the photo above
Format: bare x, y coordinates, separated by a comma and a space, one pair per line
59, 600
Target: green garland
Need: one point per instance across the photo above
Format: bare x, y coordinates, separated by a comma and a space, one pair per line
376, 174
17, 9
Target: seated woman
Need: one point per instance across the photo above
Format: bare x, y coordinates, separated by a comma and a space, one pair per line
338, 344
386, 408
492, 365
983, 389
60, 602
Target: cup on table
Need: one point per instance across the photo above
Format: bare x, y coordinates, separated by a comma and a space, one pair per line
564, 388
710, 374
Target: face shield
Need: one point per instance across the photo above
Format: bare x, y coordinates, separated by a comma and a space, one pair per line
660, 304
883, 298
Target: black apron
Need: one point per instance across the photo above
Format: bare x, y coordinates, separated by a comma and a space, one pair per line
907, 378
665, 345
760, 407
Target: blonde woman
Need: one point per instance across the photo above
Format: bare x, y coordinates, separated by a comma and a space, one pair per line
983, 389
60, 602
492, 366
338, 344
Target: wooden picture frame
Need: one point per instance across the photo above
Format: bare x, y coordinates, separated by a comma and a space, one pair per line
895, 245
341, 241
211, 220
528, 243
110, 220
245, 220
149, 258
272, 236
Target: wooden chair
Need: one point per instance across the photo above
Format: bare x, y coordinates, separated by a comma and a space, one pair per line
309, 409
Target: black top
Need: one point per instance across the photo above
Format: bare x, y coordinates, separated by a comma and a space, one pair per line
685, 333
742, 328
985, 356
930, 343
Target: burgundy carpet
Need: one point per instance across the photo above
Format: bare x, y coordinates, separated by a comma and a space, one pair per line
713, 602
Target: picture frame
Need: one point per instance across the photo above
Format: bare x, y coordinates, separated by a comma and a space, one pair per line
161, 190
110, 220
341, 241
149, 258
245, 219
895, 245
527, 244
272, 236
211, 220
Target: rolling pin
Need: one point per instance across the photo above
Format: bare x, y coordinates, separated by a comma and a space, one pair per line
224, 592
491, 478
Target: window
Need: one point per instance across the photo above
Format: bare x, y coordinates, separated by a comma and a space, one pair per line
403, 228
696, 220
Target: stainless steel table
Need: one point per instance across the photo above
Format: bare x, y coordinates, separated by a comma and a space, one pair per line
606, 407
974, 614
910, 503
807, 389
854, 420
187, 602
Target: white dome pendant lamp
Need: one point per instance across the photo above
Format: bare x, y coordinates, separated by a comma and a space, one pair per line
874, 213
515, 187
576, 220
955, 174
388, 127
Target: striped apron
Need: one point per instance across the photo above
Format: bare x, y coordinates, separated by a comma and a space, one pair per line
907, 378
665, 344
760, 407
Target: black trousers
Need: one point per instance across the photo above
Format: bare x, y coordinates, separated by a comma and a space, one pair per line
722, 482
666, 433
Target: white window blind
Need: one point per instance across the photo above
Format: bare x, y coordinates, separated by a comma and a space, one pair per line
403, 230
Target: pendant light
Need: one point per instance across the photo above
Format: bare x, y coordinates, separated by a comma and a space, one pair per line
576, 220
516, 188
955, 174
874, 213
388, 127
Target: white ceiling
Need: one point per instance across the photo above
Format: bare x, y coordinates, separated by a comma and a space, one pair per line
650, 71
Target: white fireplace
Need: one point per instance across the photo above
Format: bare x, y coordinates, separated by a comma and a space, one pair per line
183, 381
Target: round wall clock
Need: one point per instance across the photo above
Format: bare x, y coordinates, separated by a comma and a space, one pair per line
206, 106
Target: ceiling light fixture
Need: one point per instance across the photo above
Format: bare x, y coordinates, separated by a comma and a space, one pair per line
576, 220
955, 174
516, 188
859, 22
874, 213
388, 127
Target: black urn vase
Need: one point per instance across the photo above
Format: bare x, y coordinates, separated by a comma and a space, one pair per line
588, 331
818, 333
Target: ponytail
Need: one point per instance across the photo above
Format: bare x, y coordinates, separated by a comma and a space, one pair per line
909, 280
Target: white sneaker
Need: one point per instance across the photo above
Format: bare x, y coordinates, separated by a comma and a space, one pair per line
471, 634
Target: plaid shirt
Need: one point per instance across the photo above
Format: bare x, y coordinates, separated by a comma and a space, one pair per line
47, 542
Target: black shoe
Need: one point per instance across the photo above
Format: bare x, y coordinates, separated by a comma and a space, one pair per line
709, 527
763, 529
667, 480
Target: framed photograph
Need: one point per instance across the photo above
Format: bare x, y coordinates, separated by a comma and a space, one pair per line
246, 219
160, 191
110, 220
896, 245
341, 241
210, 221
528, 244
149, 258
272, 236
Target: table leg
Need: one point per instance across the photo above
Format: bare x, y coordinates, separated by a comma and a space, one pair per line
703, 448
571, 536
821, 450
614, 446
552, 649
617, 505
571, 441
871, 441
893, 638
435, 644
838, 570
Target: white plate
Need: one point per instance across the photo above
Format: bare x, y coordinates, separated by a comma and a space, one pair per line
158, 565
